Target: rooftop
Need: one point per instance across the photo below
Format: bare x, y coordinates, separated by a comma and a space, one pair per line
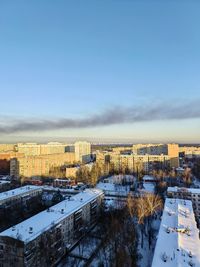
18, 191
4, 182
46, 219
178, 241
184, 189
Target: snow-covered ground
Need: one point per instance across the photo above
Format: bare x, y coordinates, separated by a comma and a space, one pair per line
147, 252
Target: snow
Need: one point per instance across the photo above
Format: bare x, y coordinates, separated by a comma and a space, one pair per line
4, 182
46, 219
183, 189
62, 190
113, 185
113, 189
148, 188
148, 178
178, 236
18, 191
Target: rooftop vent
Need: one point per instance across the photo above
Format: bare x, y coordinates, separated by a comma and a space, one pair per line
62, 211
164, 257
30, 230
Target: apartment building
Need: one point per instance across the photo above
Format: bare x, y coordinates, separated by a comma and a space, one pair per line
192, 194
7, 148
34, 149
82, 151
70, 171
5, 158
19, 196
42, 165
133, 162
43, 239
190, 151
150, 162
178, 241
4, 185
171, 150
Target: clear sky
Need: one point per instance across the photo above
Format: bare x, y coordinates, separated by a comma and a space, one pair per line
77, 59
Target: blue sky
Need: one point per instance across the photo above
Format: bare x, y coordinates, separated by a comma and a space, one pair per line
71, 59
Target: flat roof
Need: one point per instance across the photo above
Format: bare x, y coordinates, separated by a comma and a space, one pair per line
46, 219
18, 191
178, 239
183, 189
4, 182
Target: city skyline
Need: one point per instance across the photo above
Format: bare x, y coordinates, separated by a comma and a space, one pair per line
121, 71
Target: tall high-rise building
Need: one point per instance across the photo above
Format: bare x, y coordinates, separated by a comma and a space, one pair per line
82, 151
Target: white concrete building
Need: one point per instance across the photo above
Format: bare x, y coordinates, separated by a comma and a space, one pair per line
178, 241
192, 194
19, 195
42, 240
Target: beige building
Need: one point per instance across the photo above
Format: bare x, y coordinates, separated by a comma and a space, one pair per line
171, 150
42, 165
190, 151
82, 151
34, 149
133, 162
7, 148
70, 172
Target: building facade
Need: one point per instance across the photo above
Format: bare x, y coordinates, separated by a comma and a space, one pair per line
40, 166
171, 150
82, 151
19, 196
43, 239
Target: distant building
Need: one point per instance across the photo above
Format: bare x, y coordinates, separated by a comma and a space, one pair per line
82, 151
190, 151
70, 172
178, 241
40, 166
5, 158
7, 148
34, 149
134, 163
171, 150
42, 240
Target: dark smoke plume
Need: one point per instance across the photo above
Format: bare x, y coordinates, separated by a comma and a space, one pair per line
116, 115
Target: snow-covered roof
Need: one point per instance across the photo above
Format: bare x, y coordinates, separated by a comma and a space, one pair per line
4, 182
46, 219
18, 191
178, 241
183, 189
63, 190
113, 189
148, 178
147, 188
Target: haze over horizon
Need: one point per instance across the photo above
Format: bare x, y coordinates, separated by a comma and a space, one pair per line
123, 70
